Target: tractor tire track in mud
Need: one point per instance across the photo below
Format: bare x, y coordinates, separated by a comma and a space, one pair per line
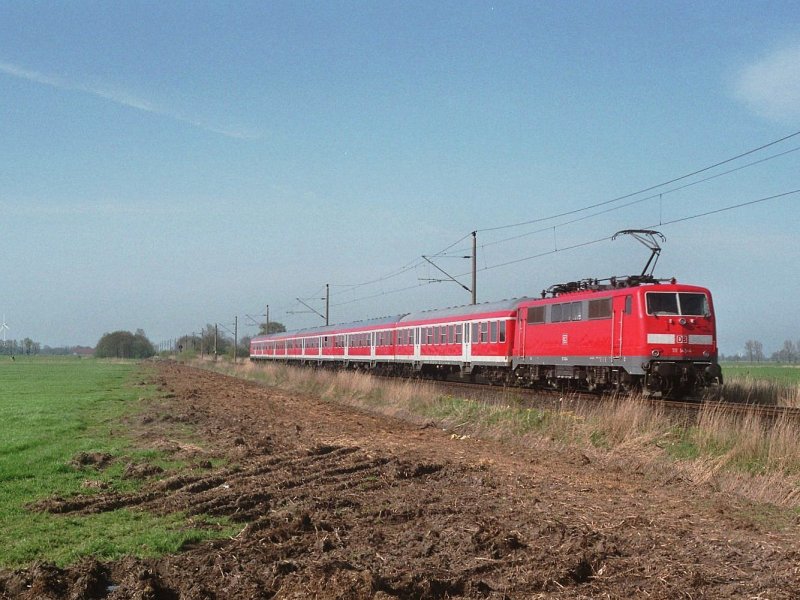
337, 503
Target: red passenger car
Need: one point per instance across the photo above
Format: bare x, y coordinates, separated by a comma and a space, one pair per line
458, 340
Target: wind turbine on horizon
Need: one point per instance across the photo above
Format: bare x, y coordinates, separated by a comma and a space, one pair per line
4, 327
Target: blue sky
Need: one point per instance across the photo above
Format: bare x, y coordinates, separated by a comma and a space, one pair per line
168, 165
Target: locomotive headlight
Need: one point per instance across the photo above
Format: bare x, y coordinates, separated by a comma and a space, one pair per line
656, 353
682, 321
706, 353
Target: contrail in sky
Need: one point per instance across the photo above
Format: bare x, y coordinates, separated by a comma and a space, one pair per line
116, 96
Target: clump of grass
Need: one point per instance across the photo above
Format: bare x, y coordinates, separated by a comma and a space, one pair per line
351, 387
627, 419
746, 390
749, 442
470, 417
790, 397
737, 453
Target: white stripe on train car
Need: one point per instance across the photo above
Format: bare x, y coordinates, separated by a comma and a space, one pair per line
660, 338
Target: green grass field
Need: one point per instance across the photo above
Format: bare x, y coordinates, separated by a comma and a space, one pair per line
784, 374
50, 411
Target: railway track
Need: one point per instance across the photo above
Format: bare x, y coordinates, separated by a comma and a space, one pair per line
760, 410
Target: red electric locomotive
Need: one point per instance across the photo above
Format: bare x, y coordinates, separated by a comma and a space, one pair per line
618, 334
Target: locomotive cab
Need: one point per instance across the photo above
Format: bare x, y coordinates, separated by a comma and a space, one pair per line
679, 339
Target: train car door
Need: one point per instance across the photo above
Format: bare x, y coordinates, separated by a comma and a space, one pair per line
466, 354
417, 341
621, 306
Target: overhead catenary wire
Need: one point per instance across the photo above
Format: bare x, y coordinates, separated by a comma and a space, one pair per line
644, 190
672, 222
631, 203
382, 293
732, 207
402, 270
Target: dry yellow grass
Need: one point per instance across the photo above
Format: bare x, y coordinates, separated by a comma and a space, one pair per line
747, 389
790, 397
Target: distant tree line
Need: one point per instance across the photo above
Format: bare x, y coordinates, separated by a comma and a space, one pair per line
19, 347
789, 353
754, 352
29, 347
124, 344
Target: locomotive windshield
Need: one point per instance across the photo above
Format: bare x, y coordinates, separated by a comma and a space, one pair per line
681, 303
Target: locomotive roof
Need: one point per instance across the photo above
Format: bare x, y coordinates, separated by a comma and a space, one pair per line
468, 310
580, 293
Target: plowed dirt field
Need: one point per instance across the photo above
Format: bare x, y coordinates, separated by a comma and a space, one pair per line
334, 502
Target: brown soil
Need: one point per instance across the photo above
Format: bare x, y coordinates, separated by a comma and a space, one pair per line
338, 503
